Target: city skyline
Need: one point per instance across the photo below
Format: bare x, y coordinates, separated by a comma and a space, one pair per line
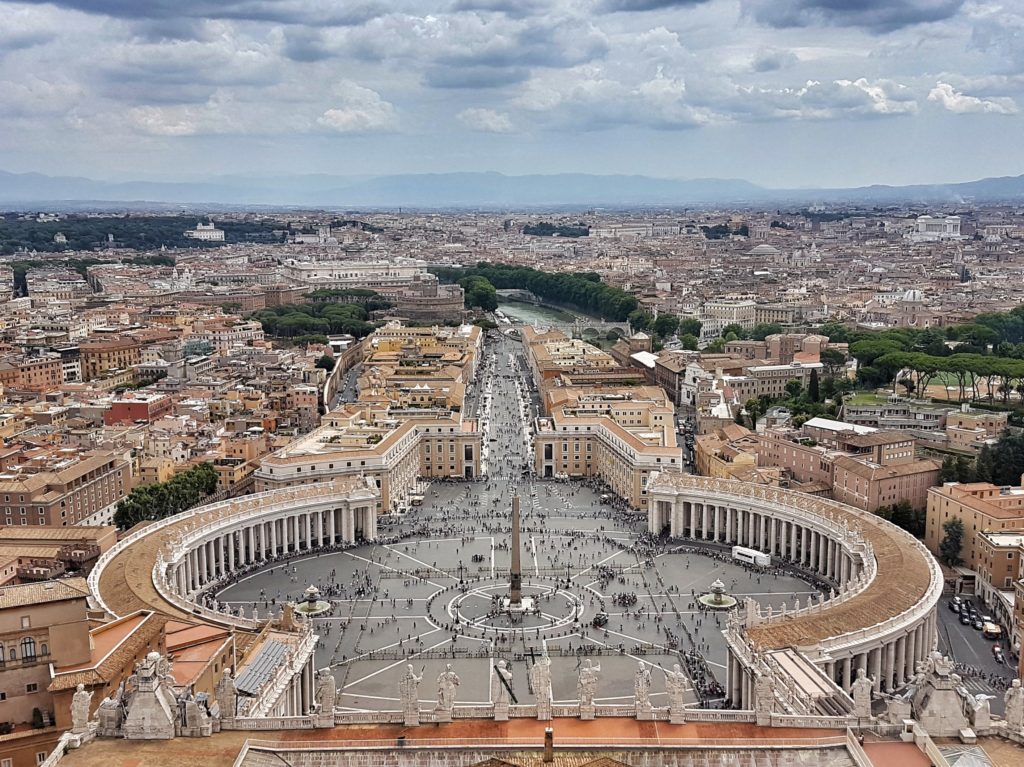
784, 94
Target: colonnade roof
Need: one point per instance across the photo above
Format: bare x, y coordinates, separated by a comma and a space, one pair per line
126, 582
902, 580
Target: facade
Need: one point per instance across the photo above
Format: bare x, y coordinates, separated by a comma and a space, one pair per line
62, 487
40, 624
856, 465
385, 277
621, 436
100, 355
206, 233
980, 506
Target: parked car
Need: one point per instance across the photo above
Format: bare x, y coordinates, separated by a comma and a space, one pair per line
954, 604
965, 618
977, 623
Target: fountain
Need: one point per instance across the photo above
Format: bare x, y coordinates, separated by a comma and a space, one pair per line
716, 598
312, 605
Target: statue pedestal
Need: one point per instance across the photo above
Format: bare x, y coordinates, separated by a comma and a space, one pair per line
588, 712
644, 713
324, 720
79, 739
501, 712
442, 715
676, 716
543, 712
412, 718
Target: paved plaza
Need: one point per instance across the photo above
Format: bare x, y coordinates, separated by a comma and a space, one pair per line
430, 592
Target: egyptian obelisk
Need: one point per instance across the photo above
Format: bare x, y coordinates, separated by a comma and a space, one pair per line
515, 592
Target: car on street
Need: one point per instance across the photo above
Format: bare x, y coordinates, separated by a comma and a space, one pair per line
954, 604
977, 623
965, 618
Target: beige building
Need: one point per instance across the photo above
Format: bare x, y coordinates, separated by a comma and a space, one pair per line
621, 436
857, 465
40, 624
980, 506
61, 486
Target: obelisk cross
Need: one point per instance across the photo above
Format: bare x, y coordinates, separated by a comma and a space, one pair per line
515, 592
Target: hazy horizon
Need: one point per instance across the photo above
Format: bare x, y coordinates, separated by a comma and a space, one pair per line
781, 93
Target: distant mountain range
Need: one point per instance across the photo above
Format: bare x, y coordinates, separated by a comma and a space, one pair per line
491, 191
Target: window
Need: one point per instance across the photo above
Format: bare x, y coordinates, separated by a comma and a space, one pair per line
32, 687
6, 763
40, 757
28, 647
26, 621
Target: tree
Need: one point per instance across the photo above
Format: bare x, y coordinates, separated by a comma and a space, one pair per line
689, 327
689, 342
794, 387
480, 293
764, 329
903, 515
948, 471
640, 320
734, 329
952, 541
812, 388
665, 325
326, 362
833, 361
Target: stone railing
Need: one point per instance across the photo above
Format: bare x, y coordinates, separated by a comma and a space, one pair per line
268, 723
856, 751
569, 741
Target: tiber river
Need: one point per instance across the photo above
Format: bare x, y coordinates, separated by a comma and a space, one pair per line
518, 311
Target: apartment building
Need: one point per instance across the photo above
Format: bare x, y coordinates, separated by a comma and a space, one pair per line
61, 486
35, 373
99, 355
982, 508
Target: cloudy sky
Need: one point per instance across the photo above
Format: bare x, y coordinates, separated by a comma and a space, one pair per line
780, 92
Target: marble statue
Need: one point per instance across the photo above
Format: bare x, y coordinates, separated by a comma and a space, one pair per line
324, 697
447, 684
540, 680
675, 686
586, 687
111, 713
226, 695
861, 692
80, 703
642, 688
501, 682
1014, 700
409, 691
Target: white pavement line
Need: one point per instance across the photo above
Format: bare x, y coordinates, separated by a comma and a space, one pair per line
597, 564
417, 561
533, 547
397, 663
394, 570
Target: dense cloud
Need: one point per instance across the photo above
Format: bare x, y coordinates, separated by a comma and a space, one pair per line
879, 15
428, 83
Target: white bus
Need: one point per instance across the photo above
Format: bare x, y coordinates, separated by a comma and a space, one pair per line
751, 556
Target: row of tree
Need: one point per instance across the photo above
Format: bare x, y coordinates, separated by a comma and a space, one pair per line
296, 321
165, 499
666, 325
583, 291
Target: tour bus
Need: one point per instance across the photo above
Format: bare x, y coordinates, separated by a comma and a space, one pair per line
751, 556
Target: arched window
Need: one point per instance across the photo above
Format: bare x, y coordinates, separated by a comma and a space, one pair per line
28, 647
14, 653
44, 649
